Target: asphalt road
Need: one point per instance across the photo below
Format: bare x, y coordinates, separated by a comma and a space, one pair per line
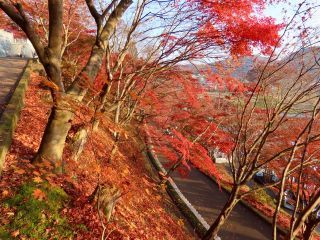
208, 199
10, 72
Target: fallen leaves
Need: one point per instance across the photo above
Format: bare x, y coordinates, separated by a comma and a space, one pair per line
148, 192
38, 194
20, 171
10, 214
140, 214
5, 193
15, 233
36, 173
37, 179
181, 222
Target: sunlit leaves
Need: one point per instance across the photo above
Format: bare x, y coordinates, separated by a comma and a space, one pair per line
39, 194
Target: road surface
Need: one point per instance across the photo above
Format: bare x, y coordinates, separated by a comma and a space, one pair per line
208, 199
10, 72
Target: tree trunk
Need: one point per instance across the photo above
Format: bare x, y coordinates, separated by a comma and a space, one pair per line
78, 142
223, 216
310, 226
105, 197
174, 167
307, 235
59, 123
115, 146
53, 141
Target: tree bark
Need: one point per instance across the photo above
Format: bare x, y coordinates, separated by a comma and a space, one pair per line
78, 142
174, 167
224, 214
52, 143
311, 225
115, 146
59, 123
58, 126
307, 235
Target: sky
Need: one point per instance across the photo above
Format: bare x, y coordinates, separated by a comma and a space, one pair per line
276, 10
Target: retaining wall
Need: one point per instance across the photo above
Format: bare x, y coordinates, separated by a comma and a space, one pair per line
10, 116
196, 220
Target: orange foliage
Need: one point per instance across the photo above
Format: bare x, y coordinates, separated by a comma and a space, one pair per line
143, 212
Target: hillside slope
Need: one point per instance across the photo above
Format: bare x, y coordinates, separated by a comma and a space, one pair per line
38, 204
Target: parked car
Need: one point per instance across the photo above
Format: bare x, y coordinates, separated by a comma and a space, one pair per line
265, 176
290, 199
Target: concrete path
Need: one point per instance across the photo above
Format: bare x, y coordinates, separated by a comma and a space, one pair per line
10, 72
208, 200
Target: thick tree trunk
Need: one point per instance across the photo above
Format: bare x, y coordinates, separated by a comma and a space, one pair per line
59, 124
223, 216
52, 144
53, 141
80, 85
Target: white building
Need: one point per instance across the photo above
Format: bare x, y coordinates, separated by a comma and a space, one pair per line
14, 47
218, 156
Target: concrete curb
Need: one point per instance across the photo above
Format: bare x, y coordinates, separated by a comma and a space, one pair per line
10, 116
196, 220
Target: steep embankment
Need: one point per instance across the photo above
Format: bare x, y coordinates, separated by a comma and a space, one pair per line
37, 204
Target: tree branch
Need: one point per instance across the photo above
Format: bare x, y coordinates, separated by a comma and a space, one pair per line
16, 13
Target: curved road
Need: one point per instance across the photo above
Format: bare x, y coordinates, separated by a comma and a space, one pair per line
10, 72
208, 199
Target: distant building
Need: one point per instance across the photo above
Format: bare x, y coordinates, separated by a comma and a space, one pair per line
15, 47
218, 156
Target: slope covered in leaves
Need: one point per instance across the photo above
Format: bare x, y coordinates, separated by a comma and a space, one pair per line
60, 202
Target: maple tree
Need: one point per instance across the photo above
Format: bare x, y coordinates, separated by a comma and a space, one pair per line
180, 37
180, 122
58, 126
128, 173
174, 131
238, 25
269, 134
128, 68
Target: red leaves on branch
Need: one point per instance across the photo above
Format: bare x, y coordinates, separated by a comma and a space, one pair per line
183, 125
238, 26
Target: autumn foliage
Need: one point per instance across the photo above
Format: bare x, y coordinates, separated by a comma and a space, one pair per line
115, 75
128, 172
